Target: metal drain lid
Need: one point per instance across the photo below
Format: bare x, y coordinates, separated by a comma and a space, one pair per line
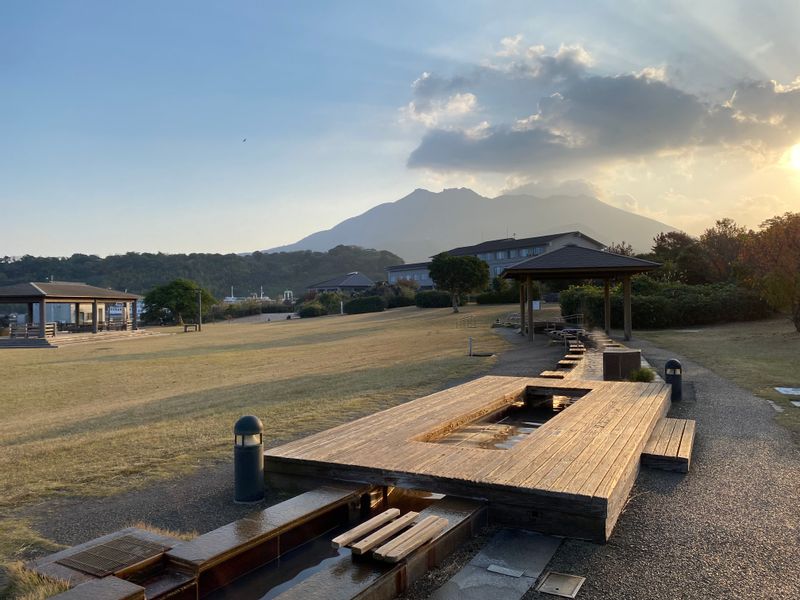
561, 584
113, 555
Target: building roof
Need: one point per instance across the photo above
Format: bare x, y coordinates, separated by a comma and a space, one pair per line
409, 266
509, 243
575, 262
351, 280
60, 290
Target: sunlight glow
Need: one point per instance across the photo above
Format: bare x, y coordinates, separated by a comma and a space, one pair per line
794, 157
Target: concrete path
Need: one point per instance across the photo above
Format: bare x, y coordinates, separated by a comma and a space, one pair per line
728, 529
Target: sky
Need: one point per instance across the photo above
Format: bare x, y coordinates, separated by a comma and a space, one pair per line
235, 126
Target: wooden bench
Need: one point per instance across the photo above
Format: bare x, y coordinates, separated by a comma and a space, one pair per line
188, 326
670, 445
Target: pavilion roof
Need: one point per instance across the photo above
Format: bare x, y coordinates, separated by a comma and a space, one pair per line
60, 290
576, 262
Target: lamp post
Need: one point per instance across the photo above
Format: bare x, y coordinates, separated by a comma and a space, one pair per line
248, 460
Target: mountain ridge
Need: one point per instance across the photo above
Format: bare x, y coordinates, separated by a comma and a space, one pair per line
424, 223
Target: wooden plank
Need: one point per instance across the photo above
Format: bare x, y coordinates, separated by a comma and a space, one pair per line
384, 533
407, 542
365, 528
675, 439
687, 441
650, 447
666, 434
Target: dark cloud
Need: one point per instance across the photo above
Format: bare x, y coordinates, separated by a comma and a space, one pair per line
588, 119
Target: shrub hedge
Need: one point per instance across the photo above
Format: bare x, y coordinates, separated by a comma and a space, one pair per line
312, 309
398, 301
658, 305
365, 304
433, 299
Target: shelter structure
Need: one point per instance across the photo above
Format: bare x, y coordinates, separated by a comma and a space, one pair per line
84, 300
574, 262
346, 284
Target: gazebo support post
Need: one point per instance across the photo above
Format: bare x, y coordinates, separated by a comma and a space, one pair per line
521, 309
528, 307
607, 306
94, 316
29, 320
134, 326
43, 318
626, 286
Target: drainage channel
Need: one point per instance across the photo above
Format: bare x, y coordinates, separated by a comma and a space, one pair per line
318, 558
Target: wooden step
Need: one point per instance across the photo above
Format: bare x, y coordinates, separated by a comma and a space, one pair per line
553, 374
670, 445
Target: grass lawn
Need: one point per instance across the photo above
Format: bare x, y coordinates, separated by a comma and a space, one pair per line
759, 356
104, 417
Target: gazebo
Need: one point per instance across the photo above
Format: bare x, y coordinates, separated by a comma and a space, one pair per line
575, 262
74, 294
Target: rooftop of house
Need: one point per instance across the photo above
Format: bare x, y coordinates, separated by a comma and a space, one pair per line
351, 280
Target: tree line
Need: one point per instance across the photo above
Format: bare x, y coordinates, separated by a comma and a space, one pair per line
766, 260
140, 273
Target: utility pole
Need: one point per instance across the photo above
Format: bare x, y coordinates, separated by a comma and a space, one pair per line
199, 309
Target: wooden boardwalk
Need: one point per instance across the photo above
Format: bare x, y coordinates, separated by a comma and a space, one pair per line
571, 476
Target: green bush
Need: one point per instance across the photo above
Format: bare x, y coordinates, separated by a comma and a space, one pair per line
366, 304
398, 301
660, 305
330, 301
312, 309
643, 375
433, 299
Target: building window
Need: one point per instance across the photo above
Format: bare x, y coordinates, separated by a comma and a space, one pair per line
538, 250
513, 253
498, 270
500, 255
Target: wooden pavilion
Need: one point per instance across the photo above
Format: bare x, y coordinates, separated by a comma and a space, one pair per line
574, 262
77, 294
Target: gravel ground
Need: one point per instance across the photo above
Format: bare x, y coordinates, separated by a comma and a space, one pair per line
728, 529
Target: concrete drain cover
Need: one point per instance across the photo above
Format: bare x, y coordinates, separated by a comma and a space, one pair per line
109, 557
561, 584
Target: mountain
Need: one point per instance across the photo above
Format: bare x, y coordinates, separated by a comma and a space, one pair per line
425, 223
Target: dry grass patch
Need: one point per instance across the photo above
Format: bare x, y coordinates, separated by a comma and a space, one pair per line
758, 356
179, 535
17, 583
105, 417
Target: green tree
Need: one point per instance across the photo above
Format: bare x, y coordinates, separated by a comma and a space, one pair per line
458, 275
179, 297
723, 244
623, 248
771, 258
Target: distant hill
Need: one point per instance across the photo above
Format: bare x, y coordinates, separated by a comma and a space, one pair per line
425, 223
139, 273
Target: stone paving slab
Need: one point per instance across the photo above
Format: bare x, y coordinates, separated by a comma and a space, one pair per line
512, 550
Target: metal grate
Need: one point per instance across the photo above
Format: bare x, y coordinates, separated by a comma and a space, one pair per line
109, 557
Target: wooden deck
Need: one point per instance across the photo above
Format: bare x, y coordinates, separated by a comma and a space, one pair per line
571, 476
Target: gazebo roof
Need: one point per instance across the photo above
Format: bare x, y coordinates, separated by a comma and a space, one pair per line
575, 262
60, 291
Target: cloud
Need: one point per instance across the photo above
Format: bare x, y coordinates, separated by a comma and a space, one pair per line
543, 111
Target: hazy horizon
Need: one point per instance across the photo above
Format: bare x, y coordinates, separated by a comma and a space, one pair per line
200, 127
